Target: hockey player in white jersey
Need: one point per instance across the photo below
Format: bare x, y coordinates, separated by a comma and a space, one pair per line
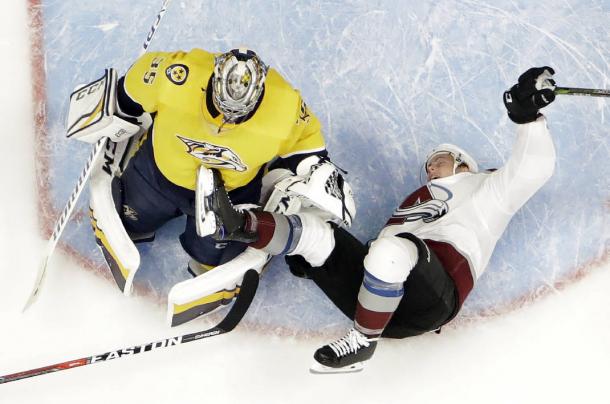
415, 276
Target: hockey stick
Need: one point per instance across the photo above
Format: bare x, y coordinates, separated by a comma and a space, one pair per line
592, 92
233, 317
96, 153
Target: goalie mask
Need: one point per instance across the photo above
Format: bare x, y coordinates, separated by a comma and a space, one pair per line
237, 84
459, 157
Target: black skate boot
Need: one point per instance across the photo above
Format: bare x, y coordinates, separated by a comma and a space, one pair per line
222, 221
347, 354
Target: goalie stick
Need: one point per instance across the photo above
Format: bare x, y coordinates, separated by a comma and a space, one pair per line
233, 317
591, 92
96, 153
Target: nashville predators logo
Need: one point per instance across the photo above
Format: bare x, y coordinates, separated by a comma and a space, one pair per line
303, 114
213, 156
177, 74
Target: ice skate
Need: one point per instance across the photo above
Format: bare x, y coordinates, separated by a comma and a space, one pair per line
345, 355
216, 215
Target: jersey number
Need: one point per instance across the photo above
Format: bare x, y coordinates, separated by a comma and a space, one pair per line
150, 75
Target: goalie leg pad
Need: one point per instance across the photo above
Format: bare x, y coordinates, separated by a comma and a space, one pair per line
203, 306
208, 304
194, 297
118, 249
122, 266
196, 268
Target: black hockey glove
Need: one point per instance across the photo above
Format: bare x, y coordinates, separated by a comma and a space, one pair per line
534, 90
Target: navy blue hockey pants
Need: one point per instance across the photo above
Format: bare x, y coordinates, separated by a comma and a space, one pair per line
149, 200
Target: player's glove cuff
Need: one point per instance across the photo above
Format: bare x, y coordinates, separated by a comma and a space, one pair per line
517, 112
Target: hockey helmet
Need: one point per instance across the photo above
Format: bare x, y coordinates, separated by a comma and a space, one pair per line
237, 83
458, 154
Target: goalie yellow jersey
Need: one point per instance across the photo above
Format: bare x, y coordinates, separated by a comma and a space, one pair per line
188, 131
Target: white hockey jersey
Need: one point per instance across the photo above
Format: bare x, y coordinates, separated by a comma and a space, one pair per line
470, 211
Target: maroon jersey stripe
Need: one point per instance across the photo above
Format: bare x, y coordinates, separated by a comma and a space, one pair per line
455, 265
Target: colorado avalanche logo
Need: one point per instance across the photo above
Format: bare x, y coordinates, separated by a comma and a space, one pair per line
427, 211
213, 156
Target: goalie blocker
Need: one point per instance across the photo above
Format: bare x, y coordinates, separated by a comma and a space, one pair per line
92, 112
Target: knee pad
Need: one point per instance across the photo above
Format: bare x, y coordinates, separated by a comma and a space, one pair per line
316, 240
391, 259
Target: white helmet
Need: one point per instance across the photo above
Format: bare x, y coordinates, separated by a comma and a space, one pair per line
458, 154
237, 84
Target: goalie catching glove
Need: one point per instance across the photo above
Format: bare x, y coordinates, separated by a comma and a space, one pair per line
93, 109
319, 186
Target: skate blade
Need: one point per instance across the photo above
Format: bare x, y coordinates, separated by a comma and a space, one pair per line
319, 369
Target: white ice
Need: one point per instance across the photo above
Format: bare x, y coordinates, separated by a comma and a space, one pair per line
555, 350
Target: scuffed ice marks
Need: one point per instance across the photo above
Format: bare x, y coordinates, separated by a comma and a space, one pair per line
389, 80
108, 26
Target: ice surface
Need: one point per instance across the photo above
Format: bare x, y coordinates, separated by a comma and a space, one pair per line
389, 80
555, 351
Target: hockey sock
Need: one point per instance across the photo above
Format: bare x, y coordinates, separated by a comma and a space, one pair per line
277, 234
377, 301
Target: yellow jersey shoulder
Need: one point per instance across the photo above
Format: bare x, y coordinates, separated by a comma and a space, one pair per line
158, 76
279, 111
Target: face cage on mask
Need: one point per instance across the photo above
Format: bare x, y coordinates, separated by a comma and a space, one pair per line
232, 109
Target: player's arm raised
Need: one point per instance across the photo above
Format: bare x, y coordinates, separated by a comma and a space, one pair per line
532, 160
